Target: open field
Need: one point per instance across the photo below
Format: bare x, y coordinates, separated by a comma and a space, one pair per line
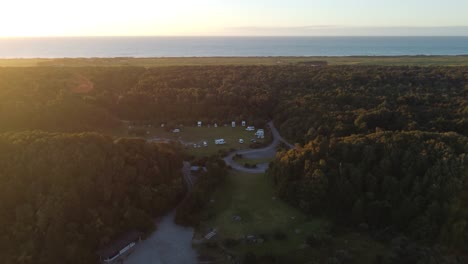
196, 135
205, 61
251, 197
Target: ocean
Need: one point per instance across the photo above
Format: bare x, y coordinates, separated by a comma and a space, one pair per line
229, 46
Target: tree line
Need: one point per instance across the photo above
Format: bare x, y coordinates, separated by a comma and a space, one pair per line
303, 100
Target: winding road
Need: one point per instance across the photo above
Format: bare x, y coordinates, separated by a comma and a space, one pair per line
267, 152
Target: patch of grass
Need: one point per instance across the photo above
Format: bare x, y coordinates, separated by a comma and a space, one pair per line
243, 161
251, 196
21, 62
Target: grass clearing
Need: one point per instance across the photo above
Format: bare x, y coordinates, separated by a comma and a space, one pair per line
196, 135
251, 196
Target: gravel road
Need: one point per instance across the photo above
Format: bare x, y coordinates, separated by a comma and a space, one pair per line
170, 244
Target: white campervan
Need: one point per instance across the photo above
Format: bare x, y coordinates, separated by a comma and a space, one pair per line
220, 141
260, 133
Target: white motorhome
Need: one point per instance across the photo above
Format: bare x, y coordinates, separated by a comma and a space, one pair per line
220, 141
260, 133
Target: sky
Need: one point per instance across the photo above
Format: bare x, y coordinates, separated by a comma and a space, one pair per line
33, 18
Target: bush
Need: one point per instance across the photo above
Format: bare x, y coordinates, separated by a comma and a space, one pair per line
249, 258
279, 235
229, 242
318, 240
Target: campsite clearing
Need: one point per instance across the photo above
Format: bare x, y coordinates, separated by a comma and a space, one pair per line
193, 138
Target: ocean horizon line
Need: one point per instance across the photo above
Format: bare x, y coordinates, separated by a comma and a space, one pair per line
237, 36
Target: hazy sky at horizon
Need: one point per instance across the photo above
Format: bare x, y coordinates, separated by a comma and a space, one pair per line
240, 17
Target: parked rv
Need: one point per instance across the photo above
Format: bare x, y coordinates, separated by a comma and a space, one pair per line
220, 141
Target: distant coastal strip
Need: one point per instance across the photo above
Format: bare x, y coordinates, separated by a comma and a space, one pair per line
459, 60
109, 47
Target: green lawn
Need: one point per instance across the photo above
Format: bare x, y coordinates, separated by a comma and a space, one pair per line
204, 61
251, 196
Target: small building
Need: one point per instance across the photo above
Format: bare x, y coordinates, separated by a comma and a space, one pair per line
260, 133
199, 123
118, 250
244, 123
233, 124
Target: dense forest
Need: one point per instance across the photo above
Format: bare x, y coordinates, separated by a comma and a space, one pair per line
65, 195
382, 147
304, 101
407, 182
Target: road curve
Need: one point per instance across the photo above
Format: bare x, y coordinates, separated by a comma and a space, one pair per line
267, 152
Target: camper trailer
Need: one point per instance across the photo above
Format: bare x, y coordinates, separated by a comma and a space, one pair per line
250, 128
233, 124
244, 123
199, 123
